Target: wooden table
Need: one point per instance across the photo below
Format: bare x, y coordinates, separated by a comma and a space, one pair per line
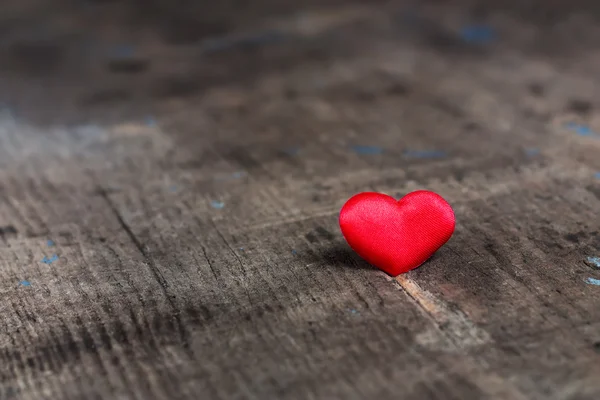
171, 176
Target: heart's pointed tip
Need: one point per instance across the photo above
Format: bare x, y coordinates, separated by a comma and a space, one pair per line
395, 274
396, 271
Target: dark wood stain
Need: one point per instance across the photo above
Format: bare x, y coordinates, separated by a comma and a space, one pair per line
36, 56
128, 66
105, 96
185, 30
176, 87
8, 230
536, 89
579, 106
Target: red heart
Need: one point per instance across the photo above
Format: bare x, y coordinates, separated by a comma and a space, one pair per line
397, 236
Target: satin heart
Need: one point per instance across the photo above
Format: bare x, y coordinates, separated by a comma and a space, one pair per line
397, 236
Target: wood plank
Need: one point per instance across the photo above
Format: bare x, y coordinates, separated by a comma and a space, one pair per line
170, 183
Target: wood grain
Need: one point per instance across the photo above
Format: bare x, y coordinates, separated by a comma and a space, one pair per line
170, 179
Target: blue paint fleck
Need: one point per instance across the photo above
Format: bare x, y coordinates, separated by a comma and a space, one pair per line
595, 261
367, 150
234, 175
265, 37
581, 130
90, 132
291, 151
593, 281
254, 39
217, 204
7, 111
531, 152
50, 260
597, 175
123, 51
150, 121
50, 243
479, 34
294, 252
25, 283
425, 154
241, 248
353, 311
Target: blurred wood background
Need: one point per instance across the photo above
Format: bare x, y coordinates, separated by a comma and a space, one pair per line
171, 174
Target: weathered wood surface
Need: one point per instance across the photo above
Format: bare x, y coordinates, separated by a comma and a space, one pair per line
187, 163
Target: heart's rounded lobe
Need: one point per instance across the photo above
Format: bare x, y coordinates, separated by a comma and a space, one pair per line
397, 236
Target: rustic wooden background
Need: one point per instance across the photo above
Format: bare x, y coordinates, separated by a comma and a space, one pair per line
171, 174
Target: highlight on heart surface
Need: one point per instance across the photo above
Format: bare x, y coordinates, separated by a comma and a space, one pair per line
397, 236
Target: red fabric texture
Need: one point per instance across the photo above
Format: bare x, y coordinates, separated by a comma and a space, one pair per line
397, 236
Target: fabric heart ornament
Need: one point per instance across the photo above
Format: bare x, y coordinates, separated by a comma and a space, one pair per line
397, 236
